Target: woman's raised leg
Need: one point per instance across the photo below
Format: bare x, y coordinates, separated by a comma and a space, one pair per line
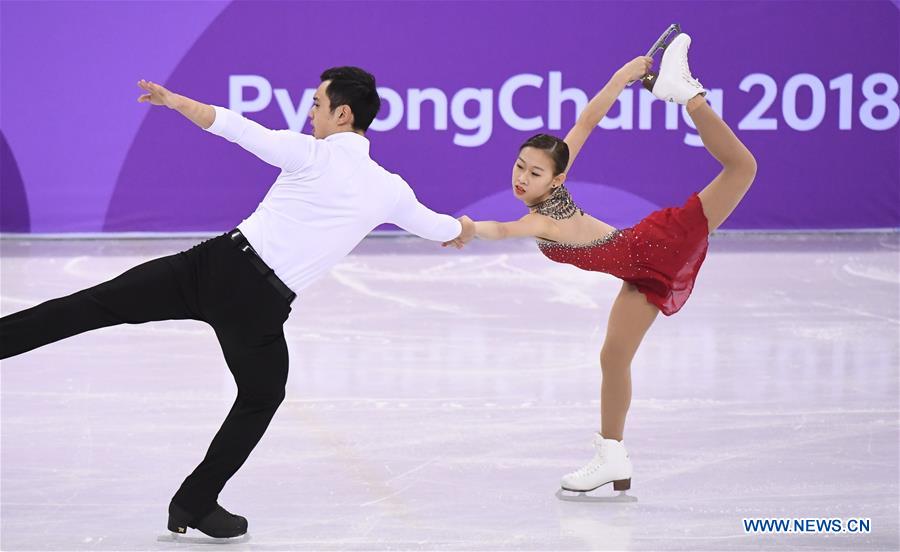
723, 194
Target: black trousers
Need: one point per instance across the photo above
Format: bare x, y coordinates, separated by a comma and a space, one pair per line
213, 282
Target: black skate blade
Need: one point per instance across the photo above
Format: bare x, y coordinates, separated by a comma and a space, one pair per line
583, 496
203, 539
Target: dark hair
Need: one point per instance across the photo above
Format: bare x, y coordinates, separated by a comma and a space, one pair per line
553, 146
356, 88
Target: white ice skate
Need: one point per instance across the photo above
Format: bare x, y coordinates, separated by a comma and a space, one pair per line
674, 82
609, 465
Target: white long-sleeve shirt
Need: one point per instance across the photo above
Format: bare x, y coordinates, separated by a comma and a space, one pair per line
329, 196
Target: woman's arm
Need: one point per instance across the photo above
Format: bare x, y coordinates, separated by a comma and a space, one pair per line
531, 225
600, 104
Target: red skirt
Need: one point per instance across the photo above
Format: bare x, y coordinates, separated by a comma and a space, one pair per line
660, 255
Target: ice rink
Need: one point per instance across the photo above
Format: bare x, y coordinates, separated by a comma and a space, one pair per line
436, 397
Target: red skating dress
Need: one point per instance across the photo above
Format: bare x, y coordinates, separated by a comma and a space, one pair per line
660, 255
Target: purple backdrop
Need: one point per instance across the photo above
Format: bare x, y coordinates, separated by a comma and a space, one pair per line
810, 87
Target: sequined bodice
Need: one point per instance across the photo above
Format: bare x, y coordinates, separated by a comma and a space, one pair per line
605, 254
589, 256
599, 241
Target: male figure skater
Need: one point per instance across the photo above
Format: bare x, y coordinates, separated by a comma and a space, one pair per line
329, 195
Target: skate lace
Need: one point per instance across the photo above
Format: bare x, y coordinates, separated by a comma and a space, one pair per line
686, 70
592, 466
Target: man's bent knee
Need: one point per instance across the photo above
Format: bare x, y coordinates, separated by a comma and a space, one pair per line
262, 400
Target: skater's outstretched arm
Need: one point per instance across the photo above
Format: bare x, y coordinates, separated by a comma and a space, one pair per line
285, 149
600, 104
200, 114
531, 225
418, 219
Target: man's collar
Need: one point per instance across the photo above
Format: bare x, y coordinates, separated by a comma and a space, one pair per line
352, 139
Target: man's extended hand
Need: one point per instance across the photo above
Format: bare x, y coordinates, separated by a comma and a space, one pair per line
156, 94
464, 237
200, 114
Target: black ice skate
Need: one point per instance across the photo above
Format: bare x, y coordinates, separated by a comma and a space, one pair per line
219, 526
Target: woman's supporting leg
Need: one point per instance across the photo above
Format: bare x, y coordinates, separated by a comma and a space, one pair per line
630, 318
147, 292
723, 194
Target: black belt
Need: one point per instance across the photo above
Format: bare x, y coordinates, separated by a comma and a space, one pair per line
241, 242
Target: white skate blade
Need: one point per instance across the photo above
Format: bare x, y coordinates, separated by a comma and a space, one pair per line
202, 539
582, 496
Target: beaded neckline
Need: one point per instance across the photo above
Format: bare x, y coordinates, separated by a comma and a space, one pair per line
599, 241
558, 206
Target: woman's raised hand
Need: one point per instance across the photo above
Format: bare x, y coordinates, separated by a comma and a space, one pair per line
637, 68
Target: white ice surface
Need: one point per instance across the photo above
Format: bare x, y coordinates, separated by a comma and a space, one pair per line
435, 398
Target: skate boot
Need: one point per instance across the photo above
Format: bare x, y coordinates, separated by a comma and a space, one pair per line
610, 465
674, 82
218, 524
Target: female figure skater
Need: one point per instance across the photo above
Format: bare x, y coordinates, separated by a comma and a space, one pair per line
657, 259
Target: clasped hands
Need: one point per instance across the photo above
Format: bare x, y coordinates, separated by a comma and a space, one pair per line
467, 234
